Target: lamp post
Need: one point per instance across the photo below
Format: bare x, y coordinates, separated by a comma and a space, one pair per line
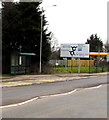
40, 63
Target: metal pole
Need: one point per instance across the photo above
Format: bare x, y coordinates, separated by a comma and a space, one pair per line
79, 65
40, 66
89, 63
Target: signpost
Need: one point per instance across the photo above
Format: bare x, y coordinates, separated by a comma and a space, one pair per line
76, 51
107, 58
108, 61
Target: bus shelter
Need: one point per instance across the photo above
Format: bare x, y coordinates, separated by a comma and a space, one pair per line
21, 62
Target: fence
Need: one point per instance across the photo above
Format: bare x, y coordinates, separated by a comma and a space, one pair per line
84, 63
59, 62
90, 66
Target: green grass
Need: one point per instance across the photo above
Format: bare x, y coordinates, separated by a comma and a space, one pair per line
6, 75
82, 69
62, 69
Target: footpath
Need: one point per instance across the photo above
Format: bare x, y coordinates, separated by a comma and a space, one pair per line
22, 80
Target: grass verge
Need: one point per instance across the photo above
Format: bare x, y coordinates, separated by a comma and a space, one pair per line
82, 69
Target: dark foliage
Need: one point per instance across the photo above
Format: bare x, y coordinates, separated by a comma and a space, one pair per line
21, 28
96, 45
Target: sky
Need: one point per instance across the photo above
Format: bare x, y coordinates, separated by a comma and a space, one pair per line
73, 21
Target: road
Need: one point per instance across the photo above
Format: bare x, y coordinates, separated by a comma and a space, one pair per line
12, 95
84, 103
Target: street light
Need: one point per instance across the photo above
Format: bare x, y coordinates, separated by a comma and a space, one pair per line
40, 64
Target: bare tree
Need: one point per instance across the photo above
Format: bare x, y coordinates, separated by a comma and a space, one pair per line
54, 43
106, 46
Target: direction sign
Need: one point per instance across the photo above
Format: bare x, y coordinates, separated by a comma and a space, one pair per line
75, 50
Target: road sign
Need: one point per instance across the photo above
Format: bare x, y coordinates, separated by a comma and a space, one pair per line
75, 50
107, 58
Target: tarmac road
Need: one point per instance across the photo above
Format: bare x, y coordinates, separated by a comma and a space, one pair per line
85, 103
11, 95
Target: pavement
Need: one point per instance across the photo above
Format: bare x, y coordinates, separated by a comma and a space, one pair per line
22, 80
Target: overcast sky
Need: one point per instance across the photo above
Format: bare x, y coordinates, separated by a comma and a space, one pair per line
73, 21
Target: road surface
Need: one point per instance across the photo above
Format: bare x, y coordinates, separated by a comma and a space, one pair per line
83, 103
12, 95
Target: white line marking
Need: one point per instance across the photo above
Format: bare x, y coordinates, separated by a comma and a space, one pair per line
22, 103
18, 104
94, 87
59, 94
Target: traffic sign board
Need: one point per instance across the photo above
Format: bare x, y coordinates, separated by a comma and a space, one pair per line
75, 50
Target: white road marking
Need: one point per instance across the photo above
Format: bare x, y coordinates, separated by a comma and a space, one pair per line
60, 94
94, 87
25, 102
18, 104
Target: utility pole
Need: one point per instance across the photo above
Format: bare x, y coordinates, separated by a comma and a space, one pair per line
41, 38
40, 64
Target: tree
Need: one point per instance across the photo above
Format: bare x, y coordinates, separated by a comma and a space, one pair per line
54, 43
21, 30
55, 55
106, 46
96, 45
55, 50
